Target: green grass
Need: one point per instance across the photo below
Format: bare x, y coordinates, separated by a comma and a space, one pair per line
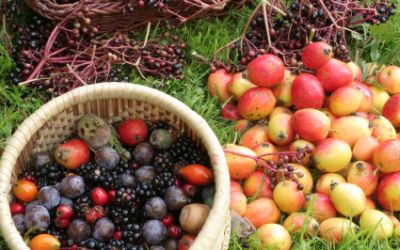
203, 37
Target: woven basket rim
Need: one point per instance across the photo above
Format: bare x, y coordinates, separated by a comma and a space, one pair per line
216, 220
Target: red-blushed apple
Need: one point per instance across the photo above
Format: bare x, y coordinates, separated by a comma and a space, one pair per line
364, 148
392, 217
230, 112
254, 136
357, 72
366, 92
266, 70
288, 197
316, 54
218, 84
238, 202
335, 229
301, 145
307, 92
295, 222
280, 110
332, 155
238, 85
345, 101
240, 167
388, 192
242, 125
274, 236
376, 223
262, 211
350, 129
280, 129
387, 156
379, 98
311, 124
370, 204
257, 185
364, 175
334, 74
389, 78
282, 92
321, 206
325, 182
329, 114
256, 103
267, 152
382, 128
348, 199
391, 110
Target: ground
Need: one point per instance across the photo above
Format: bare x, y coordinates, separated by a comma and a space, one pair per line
202, 37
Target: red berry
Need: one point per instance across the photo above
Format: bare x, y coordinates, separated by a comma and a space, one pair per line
64, 212
230, 112
174, 231
178, 182
132, 131
111, 196
99, 196
168, 220
72, 153
190, 190
316, 55
99, 212
185, 242
90, 215
17, 208
117, 235
197, 174
61, 223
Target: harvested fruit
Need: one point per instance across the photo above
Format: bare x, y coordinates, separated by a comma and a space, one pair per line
348, 199
25, 190
107, 157
274, 236
295, 222
288, 197
254, 136
340, 129
230, 112
334, 74
49, 197
17, 208
240, 166
193, 217
311, 124
72, 186
64, 212
238, 202
321, 206
388, 192
72, 154
280, 130
197, 174
389, 79
262, 211
364, 175
256, 103
37, 218
218, 84
132, 131
345, 101
391, 110
99, 196
332, 155
386, 156
44, 242
335, 229
377, 223
239, 85
327, 181
154, 232
315, 55
266, 70
258, 185
307, 92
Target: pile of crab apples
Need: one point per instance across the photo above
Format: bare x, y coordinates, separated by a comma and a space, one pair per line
347, 121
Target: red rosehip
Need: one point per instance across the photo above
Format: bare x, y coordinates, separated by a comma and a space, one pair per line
174, 231
17, 208
168, 220
64, 212
61, 223
99, 196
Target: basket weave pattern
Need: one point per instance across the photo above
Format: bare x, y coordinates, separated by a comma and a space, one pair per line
56, 120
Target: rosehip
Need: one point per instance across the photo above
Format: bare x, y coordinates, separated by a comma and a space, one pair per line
61, 223
99, 196
64, 212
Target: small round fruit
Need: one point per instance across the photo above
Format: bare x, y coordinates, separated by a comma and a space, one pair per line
379, 98
218, 84
175, 198
132, 131
25, 190
334, 74
186, 242
382, 128
107, 158
238, 85
238, 202
366, 93
37, 218
155, 208
266, 151
388, 192
44, 242
262, 211
126, 180
348, 199
154, 232
99, 196
335, 229
282, 92
364, 148
295, 222
143, 153
321, 206
19, 223
257, 185
266, 70
49, 197
316, 54
17, 208
389, 79
72, 186
72, 153
357, 71
391, 110
377, 223
64, 212
311, 124
305, 178
256, 103
230, 111
78, 230
363, 175
145, 174
280, 130
326, 181
386, 156
332, 155
274, 236
254, 136
307, 92
193, 217
196, 174
350, 129
103, 229
345, 101
301, 145
288, 197
240, 166
161, 139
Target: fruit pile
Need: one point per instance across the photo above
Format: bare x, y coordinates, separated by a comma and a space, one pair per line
145, 186
319, 148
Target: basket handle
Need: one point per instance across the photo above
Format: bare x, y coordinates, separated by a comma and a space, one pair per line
50, 9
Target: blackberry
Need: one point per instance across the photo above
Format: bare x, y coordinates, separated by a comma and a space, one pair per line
122, 216
157, 125
124, 167
131, 233
92, 244
145, 191
125, 197
59, 233
163, 161
162, 181
95, 175
121, 245
49, 174
185, 151
81, 205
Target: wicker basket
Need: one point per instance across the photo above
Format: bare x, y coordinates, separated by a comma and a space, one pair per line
56, 120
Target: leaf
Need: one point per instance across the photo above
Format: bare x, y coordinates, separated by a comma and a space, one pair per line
375, 54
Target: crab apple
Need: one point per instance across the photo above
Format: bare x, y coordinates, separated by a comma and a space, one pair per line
230, 112
367, 99
345, 101
350, 129
387, 156
288, 197
273, 236
238, 85
280, 110
262, 211
72, 153
235, 186
266, 151
301, 145
391, 110
256, 103
357, 71
316, 54
382, 128
389, 79
282, 92
305, 177
335, 229
376, 223
280, 129
334, 74
332, 117
218, 84
242, 126
379, 98
307, 92
257, 185
388, 192
370, 204
364, 175
320, 205
266, 70
240, 166
238, 202
311, 124
364, 148
392, 217
295, 222
348, 199
254, 136
325, 182
332, 155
